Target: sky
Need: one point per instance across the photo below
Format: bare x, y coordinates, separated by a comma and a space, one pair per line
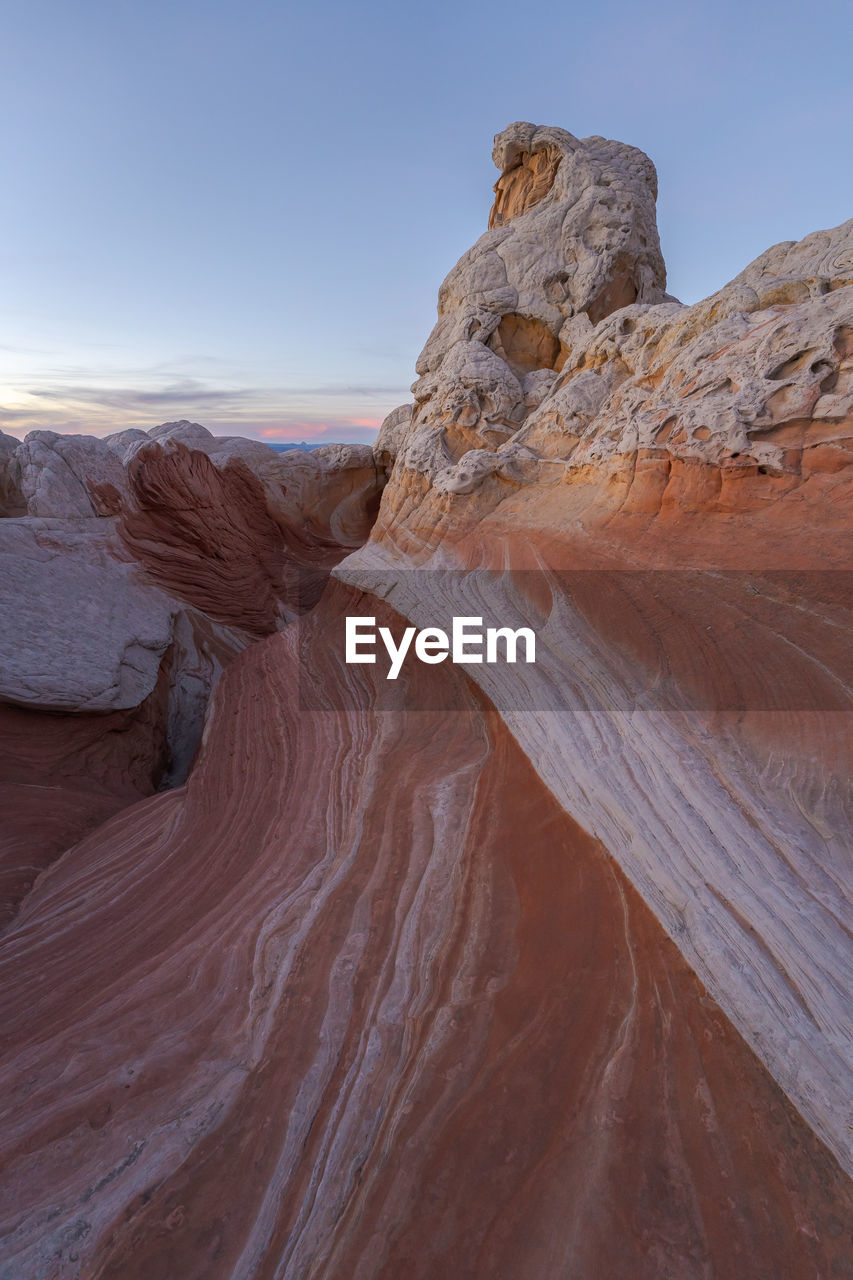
240, 213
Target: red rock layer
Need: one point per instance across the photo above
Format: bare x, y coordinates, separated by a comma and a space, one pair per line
361, 1001
741, 840
635, 512
205, 535
62, 775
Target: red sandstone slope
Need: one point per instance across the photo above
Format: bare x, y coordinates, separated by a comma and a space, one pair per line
118, 614
432, 1032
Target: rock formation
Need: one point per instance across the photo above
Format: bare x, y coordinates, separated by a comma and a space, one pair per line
145, 563
487, 971
586, 245
703, 455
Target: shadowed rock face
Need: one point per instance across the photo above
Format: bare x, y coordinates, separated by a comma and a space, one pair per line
206, 536
63, 774
250, 546
464, 975
524, 185
437, 1033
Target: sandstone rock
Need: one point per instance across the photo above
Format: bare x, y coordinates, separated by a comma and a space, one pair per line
205, 555
551, 981
708, 382
104, 684
69, 476
699, 441
125, 443
82, 631
725, 381
515, 465
8, 444
113, 634
62, 774
573, 234
248, 539
252, 452
796, 271
324, 500
62, 595
477, 393
218, 448
728, 380
441, 996
393, 431
192, 434
78, 630
205, 535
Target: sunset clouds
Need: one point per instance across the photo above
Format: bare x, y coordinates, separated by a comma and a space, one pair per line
69, 398
243, 222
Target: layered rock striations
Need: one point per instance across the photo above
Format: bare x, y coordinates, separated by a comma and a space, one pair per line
670, 512
133, 570
531, 970
384, 1007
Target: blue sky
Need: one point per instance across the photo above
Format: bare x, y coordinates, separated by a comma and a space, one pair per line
241, 213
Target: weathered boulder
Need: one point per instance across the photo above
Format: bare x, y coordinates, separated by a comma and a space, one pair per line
80, 628
69, 476
104, 685
324, 498
126, 442
392, 433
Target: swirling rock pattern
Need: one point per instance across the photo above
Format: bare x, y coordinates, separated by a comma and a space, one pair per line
538, 973
700, 440
435, 1033
146, 562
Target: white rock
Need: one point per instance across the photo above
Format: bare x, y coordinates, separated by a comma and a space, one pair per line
78, 630
69, 475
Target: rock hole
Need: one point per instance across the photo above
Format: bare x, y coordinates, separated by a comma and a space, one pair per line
790, 366
524, 184
526, 344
